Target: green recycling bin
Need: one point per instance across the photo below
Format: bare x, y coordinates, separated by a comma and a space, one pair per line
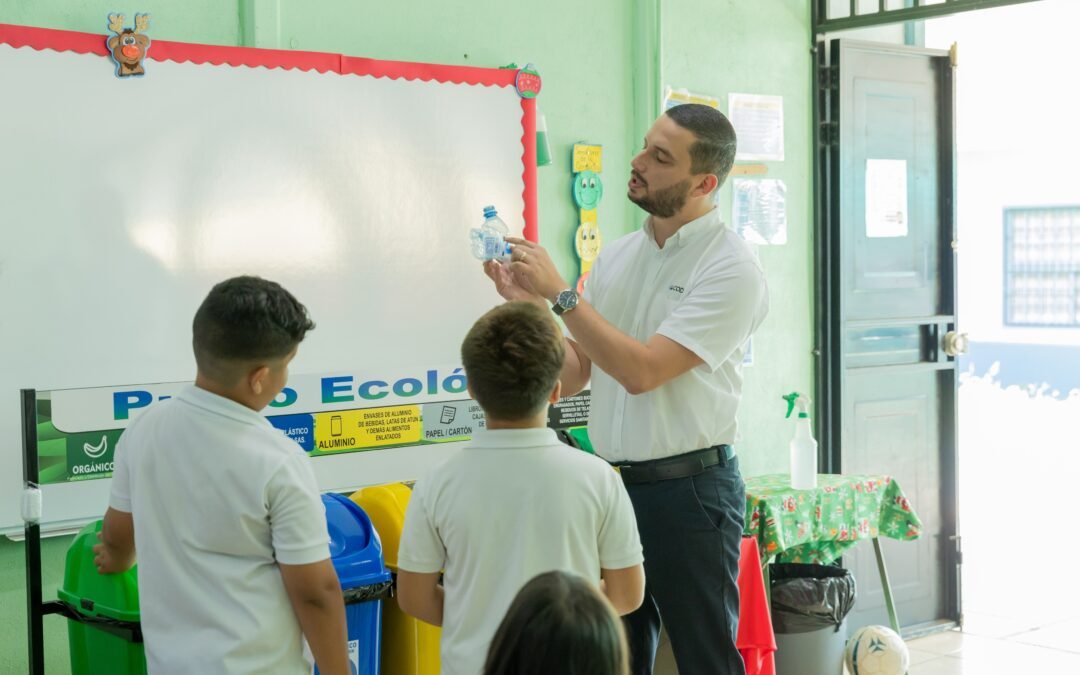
109, 641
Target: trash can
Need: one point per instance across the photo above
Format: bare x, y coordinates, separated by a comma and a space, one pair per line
107, 639
356, 554
809, 605
410, 646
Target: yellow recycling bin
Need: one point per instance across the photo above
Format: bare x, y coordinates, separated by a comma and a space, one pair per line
409, 646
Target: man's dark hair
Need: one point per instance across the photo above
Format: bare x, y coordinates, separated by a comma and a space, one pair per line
245, 320
714, 150
513, 356
559, 623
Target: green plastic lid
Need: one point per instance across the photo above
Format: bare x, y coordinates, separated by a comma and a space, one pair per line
113, 596
581, 435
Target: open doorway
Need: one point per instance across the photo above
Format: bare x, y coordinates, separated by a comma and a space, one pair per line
1018, 275
1018, 300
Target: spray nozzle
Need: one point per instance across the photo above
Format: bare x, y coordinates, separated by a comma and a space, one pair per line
796, 399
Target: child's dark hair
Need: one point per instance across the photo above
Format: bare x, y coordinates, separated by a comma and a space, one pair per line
559, 623
513, 356
245, 320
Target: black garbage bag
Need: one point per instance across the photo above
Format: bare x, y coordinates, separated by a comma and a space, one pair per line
807, 598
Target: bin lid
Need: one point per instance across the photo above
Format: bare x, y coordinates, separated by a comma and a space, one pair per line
113, 596
386, 506
354, 545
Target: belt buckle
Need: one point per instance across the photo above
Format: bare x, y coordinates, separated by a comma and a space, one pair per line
628, 473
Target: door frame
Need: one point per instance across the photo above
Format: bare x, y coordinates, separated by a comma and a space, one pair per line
829, 310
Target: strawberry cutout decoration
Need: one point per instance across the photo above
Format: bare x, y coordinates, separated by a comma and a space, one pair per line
528, 82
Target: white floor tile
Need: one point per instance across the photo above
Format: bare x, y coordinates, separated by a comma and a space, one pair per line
988, 625
942, 665
1063, 636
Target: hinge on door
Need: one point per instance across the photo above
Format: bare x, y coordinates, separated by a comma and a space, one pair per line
957, 541
828, 77
829, 133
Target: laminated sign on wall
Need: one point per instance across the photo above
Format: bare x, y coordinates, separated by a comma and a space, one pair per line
759, 126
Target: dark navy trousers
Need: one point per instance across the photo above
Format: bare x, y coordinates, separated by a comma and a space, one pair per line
690, 530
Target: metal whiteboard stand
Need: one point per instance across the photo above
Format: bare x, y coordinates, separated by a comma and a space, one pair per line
36, 610
32, 531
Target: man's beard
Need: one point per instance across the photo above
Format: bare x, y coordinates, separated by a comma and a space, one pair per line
664, 203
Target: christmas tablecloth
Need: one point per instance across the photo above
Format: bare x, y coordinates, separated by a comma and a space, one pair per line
817, 526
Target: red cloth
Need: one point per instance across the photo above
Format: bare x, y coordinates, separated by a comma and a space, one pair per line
755, 639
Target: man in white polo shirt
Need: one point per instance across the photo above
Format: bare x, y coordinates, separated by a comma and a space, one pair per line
234, 556
666, 313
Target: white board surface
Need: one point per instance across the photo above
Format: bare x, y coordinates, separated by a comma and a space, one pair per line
123, 201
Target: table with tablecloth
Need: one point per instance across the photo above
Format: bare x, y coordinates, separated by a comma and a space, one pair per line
818, 525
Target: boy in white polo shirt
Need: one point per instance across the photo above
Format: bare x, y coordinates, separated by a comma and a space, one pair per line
234, 561
513, 503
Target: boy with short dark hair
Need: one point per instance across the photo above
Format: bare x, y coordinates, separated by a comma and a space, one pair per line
513, 503
234, 561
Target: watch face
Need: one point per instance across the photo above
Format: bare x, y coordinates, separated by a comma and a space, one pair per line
567, 299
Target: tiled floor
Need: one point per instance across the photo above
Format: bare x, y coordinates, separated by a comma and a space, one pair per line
1016, 640
989, 645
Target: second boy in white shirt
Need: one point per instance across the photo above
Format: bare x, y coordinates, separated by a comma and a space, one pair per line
515, 502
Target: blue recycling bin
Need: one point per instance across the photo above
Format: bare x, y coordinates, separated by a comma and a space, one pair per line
356, 553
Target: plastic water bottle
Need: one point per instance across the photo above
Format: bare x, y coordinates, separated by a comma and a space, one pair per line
489, 240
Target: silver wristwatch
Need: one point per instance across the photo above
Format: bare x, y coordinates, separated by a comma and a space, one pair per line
565, 301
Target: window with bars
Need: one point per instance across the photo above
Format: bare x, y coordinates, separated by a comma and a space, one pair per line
1042, 266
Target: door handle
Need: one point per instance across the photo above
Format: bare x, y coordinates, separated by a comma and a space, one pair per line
954, 344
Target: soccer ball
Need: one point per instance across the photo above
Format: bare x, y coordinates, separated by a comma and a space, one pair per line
876, 650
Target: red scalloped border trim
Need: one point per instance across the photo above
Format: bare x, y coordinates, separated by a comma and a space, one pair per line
531, 216
184, 52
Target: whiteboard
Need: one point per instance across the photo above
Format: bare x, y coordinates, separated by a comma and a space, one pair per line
122, 201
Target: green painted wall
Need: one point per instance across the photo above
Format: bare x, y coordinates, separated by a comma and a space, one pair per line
592, 57
761, 47
208, 21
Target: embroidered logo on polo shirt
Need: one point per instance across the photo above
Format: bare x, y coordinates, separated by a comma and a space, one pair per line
677, 289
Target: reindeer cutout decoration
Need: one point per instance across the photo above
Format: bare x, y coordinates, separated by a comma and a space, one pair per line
128, 46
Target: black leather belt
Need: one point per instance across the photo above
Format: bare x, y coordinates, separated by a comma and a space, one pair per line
679, 466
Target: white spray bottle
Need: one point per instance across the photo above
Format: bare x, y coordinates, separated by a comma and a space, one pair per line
804, 455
